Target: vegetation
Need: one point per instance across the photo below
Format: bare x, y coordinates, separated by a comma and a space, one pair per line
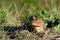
2, 17
18, 12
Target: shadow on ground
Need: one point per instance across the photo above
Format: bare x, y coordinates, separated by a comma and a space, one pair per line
11, 30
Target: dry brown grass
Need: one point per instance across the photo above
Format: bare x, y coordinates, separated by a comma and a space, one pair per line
17, 10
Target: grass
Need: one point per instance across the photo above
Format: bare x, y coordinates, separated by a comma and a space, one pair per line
2, 17
18, 12
56, 28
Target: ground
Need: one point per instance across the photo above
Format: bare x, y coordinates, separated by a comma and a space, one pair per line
15, 34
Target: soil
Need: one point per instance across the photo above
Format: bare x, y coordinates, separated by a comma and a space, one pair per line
48, 36
26, 35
